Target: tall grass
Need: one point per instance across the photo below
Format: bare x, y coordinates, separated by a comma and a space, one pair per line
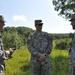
20, 63
59, 62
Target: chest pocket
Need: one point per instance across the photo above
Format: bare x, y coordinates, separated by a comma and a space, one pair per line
40, 41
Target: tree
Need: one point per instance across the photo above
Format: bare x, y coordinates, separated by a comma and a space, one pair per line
65, 7
11, 38
15, 37
63, 43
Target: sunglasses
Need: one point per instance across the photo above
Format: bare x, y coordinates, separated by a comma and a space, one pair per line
40, 24
1, 21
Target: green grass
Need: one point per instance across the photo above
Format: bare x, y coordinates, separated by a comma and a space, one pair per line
20, 63
59, 62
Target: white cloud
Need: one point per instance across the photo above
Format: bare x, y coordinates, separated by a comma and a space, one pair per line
19, 18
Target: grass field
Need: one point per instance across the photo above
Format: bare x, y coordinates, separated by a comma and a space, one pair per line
59, 62
20, 63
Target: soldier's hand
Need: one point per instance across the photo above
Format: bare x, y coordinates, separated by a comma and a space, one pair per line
11, 52
42, 57
39, 59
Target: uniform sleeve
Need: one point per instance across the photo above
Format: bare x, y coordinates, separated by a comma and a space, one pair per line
31, 48
4, 55
49, 46
72, 53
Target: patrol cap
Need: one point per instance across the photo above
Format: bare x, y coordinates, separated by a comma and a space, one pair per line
72, 17
2, 19
37, 22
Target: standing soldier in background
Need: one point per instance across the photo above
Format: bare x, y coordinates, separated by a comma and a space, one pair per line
72, 49
40, 46
3, 54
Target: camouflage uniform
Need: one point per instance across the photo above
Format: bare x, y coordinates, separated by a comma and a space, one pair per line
3, 56
72, 57
39, 43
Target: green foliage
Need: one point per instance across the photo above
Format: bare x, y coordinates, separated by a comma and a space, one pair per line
63, 43
20, 63
60, 36
59, 62
15, 37
65, 7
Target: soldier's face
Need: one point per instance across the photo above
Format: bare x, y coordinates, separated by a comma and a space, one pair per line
1, 25
38, 27
73, 24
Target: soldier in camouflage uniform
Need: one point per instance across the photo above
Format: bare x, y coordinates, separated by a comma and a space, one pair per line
72, 49
40, 46
3, 54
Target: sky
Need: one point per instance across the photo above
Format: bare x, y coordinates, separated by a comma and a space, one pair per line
24, 12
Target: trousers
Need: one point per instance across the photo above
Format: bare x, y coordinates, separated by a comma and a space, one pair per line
39, 68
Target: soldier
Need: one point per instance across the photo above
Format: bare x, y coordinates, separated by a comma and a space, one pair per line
3, 54
72, 49
40, 46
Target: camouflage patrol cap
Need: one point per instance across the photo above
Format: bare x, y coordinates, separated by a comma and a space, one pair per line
38, 22
72, 17
2, 19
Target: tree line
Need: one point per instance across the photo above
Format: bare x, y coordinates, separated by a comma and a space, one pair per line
17, 37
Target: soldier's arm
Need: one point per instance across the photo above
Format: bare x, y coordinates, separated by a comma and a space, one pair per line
31, 48
73, 53
49, 46
5, 54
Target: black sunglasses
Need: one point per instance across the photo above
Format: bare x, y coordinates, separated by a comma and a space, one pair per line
40, 24
1, 21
